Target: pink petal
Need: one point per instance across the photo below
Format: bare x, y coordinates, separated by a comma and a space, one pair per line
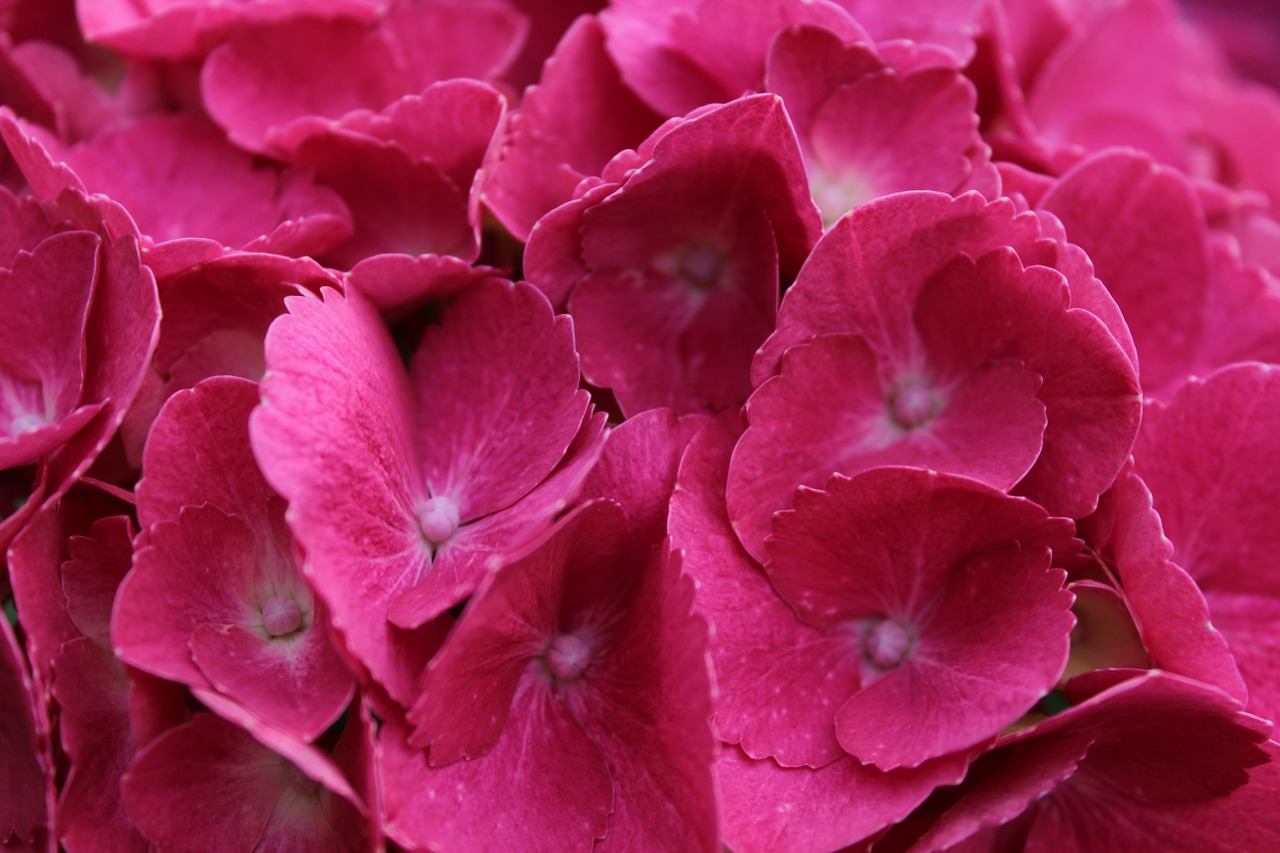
444, 39
254, 798
930, 580
548, 152
346, 461
197, 569
767, 807
780, 681
268, 75
1150, 251
92, 692
543, 782
26, 787
198, 452
857, 427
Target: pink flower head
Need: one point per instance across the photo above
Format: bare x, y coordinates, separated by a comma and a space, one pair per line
75, 353
589, 706
1216, 438
1155, 762
924, 330
686, 241
188, 194
216, 599
402, 486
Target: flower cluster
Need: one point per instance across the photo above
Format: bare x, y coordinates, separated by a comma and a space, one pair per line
763, 425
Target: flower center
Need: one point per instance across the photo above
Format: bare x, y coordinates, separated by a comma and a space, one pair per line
913, 404
281, 616
439, 520
702, 266
887, 644
567, 657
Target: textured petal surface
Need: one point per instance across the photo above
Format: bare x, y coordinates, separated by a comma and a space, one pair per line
334, 436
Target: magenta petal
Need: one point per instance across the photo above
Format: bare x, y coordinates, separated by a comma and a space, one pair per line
497, 392
543, 782
767, 807
92, 576
548, 152
345, 459
941, 581
26, 785
461, 563
1150, 251
252, 798
265, 76
1216, 438
197, 569
92, 692
1168, 608
780, 681
297, 682
198, 452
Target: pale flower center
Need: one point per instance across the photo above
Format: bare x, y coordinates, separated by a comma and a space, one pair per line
281, 616
912, 405
567, 657
887, 644
439, 520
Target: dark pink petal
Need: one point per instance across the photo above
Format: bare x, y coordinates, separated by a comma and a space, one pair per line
90, 578
253, 798
399, 203
1150, 251
92, 692
297, 681
780, 681
650, 709
346, 460
26, 786
1168, 608
1165, 747
197, 569
500, 364
209, 189
942, 606
874, 263
398, 282
198, 452
44, 379
268, 75
549, 152
443, 39
1097, 90
542, 781
1215, 438
638, 467
490, 427
172, 30
767, 807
